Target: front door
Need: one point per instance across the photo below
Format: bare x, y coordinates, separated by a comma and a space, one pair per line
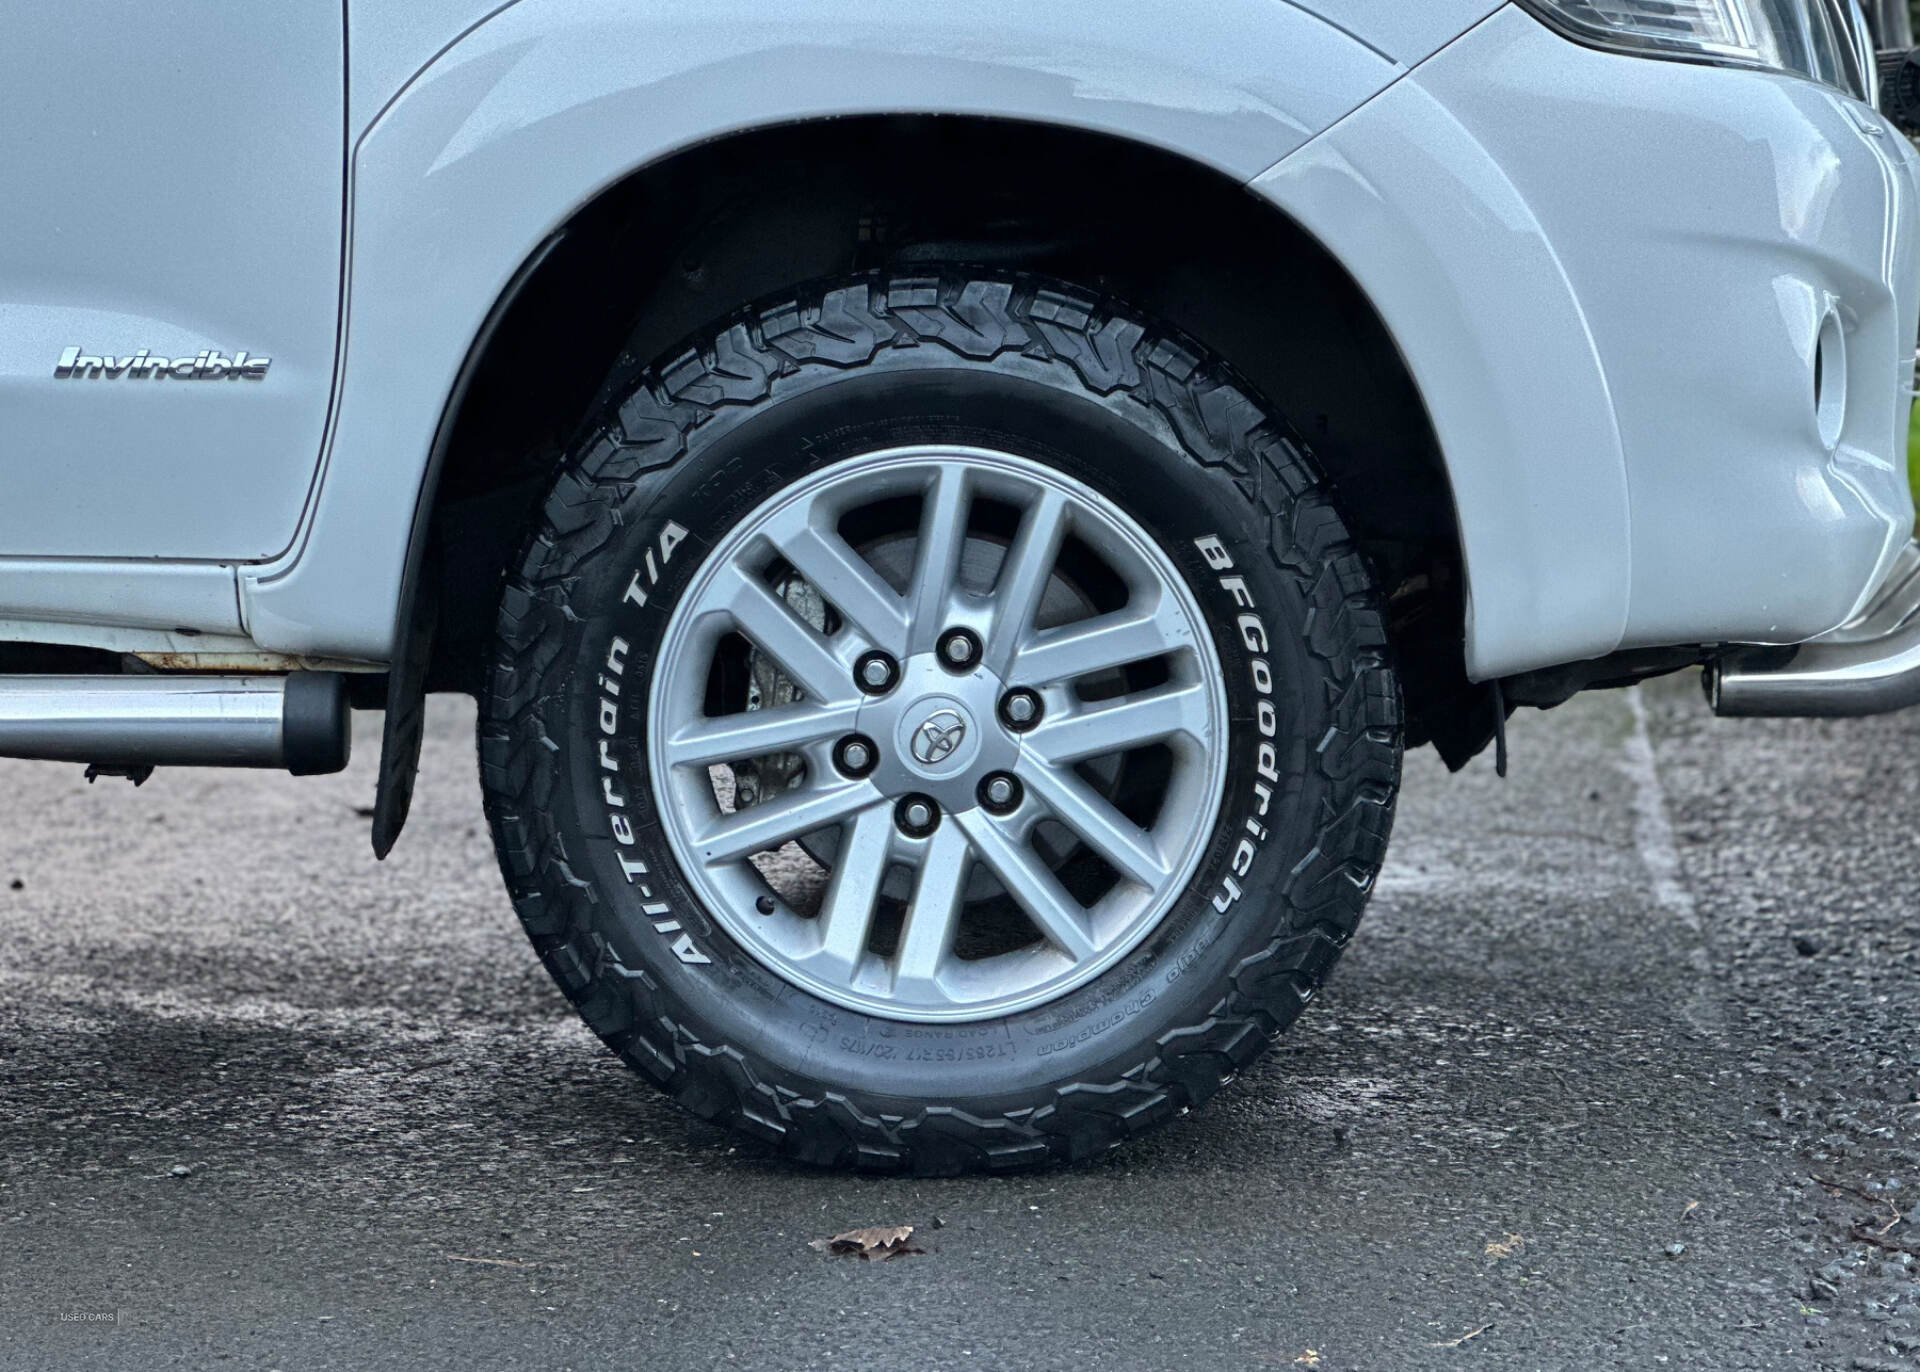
171, 195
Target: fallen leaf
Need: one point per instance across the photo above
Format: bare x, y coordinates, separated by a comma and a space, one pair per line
878, 1241
1691, 1207
1470, 1334
1310, 1358
1508, 1247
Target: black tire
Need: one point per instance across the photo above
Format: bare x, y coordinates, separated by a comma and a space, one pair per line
1149, 420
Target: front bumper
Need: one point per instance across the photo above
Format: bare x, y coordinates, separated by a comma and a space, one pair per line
1711, 222
1612, 278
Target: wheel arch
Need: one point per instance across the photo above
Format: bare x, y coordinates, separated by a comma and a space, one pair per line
1497, 341
530, 117
709, 230
705, 231
440, 294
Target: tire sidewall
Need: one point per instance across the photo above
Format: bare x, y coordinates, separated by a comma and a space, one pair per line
1215, 524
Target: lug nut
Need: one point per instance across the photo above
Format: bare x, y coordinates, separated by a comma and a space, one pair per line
917, 816
855, 755
1000, 793
1020, 709
876, 673
959, 649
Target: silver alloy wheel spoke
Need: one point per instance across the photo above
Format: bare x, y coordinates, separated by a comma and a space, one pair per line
942, 538
840, 574
1036, 889
1023, 578
765, 827
1112, 728
755, 733
1098, 645
1095, 820
773, 626
912, 921
933, 914
846, 913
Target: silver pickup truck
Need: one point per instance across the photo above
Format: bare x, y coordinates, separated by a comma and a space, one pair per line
950, 509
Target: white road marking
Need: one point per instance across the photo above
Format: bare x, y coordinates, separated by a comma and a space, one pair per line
1653, 840
1652, 829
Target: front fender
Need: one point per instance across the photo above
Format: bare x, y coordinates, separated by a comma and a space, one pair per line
1662, 316
538, 109
1469, 285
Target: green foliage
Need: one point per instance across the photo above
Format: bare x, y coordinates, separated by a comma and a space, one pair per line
1913, 451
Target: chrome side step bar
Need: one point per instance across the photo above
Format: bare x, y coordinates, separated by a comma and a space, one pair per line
300, 722
1867, 667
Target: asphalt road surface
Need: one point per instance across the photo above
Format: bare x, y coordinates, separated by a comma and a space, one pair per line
268, 1104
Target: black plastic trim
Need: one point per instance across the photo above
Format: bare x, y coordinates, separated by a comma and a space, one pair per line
417, 613
316, 724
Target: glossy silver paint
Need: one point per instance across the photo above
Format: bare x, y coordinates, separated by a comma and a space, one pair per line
558, 99
1637, 455
1409, 33
173, 180
1624, 383
1748, 522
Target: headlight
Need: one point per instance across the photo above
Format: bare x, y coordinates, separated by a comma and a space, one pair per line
1824, 40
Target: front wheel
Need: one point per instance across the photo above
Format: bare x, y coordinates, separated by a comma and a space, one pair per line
940, 724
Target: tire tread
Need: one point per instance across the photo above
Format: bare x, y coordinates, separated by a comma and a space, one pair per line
1220, 426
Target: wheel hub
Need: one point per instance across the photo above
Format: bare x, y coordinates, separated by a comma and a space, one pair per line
939, 734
